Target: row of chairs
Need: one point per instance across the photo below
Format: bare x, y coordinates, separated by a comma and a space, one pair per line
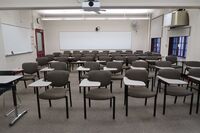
103, 93
89, 78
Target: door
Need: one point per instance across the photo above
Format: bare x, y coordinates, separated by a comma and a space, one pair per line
39, 35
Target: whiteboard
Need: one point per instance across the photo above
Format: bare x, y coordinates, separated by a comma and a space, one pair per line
95, 40
17, 40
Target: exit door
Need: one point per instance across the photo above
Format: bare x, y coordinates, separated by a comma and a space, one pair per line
39, 35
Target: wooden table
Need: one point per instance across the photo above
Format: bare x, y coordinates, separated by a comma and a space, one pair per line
10, 82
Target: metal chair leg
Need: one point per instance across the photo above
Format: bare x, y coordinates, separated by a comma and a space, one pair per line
113, 107
155, 104
84, 100
25, 84
121, 83
197, 107
67, 108
191, 103
38, 103
70, 95
164, 101
49, 103
145, 103
175, 99
126, 103
111, 102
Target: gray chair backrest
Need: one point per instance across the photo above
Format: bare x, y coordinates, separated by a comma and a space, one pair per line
61, 59
85, 52
131, 59
42, 61
117, 65
30, 67
169, 73
59, 66
50, 57
148, 53
171, 58
57, 54
139, 52
106, 52
129, 51
95, 52
105, 58
143, 64
153, 57
119, 58
163, 63
193, 63
76, 52
76, 56
104, 77
66, 55
67, 52
58, 78
87, 58
139, 75
92, 65
194, 72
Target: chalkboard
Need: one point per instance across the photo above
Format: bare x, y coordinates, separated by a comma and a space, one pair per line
16, 40
95, 40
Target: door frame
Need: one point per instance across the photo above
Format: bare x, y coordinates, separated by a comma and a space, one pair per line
40, 53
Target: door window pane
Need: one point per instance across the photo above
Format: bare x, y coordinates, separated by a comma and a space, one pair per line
39, 41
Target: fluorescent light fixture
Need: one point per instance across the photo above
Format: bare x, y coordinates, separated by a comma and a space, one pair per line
95, 18
102, 11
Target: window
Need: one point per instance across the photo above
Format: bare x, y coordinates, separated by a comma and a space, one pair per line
155, 45
178, 46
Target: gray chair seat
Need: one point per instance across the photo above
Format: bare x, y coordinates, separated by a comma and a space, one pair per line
99, 94
177, 91
53, 94
176, 66
116, 77
140, 92
28, 77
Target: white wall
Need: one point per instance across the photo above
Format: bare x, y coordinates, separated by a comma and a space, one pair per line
19, 18
52, 29
193, 40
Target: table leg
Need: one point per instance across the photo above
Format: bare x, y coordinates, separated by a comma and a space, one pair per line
17, 115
